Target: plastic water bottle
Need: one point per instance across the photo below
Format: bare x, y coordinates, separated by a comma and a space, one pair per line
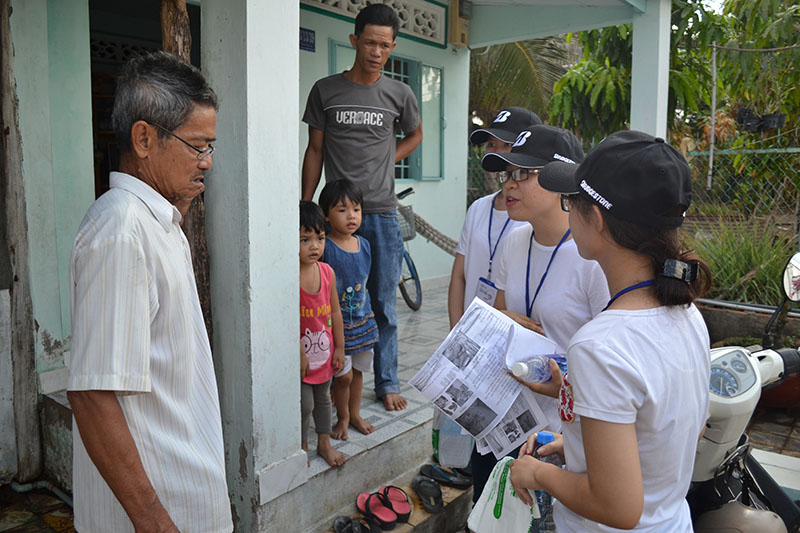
537, 368
545, 523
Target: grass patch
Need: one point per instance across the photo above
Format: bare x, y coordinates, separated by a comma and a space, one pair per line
746, 258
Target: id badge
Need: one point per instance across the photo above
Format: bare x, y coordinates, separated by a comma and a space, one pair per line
487, 291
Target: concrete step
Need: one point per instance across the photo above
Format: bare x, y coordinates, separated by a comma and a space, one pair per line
452, 519
329, 492
392, 454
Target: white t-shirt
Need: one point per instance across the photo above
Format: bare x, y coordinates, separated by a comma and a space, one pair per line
651, 368
574, 291
474, 242
137, 329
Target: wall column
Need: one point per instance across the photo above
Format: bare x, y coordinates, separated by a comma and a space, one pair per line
650, 68
250, 54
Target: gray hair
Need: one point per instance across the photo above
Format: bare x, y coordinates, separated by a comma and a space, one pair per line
157, 88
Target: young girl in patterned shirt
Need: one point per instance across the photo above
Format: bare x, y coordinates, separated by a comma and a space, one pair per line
350, 257
321, 333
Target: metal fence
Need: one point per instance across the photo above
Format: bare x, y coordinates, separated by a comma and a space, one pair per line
745, 183
761, 184
478, 182
744, 218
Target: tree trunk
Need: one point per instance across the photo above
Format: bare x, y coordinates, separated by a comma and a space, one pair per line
176, 39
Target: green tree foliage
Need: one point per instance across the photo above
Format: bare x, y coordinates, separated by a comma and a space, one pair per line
520, 74
765, 82
593, 98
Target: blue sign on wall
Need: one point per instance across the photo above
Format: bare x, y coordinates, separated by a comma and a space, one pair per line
308, 40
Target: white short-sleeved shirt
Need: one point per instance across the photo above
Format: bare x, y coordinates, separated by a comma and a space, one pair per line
473, 243
137, 329
574, 291
649, 368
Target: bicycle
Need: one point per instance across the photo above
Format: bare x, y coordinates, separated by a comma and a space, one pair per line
410, 286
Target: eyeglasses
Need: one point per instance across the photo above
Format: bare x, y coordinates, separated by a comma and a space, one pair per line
201, 153
565, 203
521, 174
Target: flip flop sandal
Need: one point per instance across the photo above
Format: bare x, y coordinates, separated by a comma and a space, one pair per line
376, 507
346, 524
429, 492
445, 476
398, 501
466, 471
343, 524
365, 525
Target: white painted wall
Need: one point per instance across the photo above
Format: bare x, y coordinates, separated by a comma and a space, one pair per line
31, 72
52, 74
650, 69
69, 69
250, 56
442, 202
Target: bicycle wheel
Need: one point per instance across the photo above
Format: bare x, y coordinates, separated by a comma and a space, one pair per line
410, 287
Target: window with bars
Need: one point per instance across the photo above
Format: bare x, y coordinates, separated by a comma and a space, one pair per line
401, 70
426, 162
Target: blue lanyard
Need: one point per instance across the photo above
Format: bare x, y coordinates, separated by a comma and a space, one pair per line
492, 251
639, 285
528, 302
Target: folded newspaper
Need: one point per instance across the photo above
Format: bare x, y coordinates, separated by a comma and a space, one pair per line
467, 378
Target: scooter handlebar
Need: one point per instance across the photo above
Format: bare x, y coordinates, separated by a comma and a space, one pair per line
791, 362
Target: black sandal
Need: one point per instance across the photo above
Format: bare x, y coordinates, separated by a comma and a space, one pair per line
429, 492
445, 476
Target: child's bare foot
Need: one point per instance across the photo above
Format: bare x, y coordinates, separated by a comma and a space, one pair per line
362, 425
339, 431
394, 402
326, 451
304, 446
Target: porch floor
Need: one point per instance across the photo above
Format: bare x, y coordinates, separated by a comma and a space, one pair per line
775, 432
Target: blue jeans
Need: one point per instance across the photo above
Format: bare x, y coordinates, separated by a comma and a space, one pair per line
383, 233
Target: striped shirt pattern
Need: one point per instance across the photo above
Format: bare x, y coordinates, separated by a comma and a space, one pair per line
137, 329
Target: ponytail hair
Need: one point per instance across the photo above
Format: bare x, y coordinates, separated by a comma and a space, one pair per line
662, 247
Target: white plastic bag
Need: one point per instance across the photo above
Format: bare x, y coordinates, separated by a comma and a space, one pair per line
499, 510
451, 445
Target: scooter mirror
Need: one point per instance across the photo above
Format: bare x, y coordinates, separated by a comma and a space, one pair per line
791, 278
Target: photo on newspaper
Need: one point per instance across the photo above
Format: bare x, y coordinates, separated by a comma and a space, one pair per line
467, 378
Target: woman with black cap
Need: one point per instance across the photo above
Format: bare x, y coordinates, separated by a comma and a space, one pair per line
542, 282
635, 399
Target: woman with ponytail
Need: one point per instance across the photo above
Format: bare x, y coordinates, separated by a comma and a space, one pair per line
635, 400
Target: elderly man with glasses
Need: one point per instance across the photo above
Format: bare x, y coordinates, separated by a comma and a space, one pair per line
147, 439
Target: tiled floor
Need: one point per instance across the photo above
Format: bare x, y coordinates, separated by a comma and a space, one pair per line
37, 511
420, 333
776, 430
775, 433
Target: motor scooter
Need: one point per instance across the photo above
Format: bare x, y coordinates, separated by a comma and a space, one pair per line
730, 490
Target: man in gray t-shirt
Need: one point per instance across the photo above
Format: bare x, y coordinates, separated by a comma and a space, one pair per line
358, 126
351, 121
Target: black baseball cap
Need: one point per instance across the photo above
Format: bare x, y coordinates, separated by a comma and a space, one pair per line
506, 125
634, 176
535, 147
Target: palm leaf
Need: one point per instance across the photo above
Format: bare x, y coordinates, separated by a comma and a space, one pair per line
520, 73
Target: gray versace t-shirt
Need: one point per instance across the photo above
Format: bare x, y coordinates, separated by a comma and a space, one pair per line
359, 125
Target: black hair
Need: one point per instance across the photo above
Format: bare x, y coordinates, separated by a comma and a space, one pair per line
336, 191
658, 244
311, 217
379, 15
